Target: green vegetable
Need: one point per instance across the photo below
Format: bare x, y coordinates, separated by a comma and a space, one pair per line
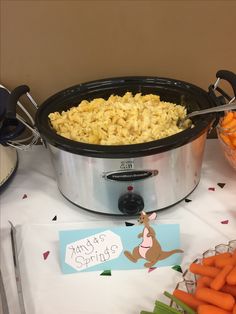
162, 308
185, 307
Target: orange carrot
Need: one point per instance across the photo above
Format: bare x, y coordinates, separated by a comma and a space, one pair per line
202, 270
234, 310
233, 133
211, 309
233, 139
221, 263
227, 118
226, 140
230, 125
218, 298
229, 289
204, 282
220, 279
231, 278
187, 298
210, 261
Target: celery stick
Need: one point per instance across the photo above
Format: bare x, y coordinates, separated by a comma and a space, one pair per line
162, 308
180, 303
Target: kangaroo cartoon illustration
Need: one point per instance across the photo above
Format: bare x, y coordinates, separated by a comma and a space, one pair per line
149, 248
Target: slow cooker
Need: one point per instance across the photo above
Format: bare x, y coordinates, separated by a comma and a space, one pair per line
12, 136
126, 179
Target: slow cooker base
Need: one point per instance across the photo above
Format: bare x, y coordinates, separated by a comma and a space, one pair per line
122, 215
9, 179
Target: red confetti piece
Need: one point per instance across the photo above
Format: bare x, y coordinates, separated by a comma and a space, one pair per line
151, 269
225, 222
211, 189
45, 255
24, 196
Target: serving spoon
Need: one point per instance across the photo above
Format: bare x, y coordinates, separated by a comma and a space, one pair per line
229, 106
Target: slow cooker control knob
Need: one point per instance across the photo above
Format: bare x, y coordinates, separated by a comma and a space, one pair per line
130, 203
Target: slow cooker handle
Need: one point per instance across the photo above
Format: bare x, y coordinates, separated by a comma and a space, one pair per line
228, 76
13, 99
11, 113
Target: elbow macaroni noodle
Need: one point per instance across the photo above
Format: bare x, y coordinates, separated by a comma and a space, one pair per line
120, 120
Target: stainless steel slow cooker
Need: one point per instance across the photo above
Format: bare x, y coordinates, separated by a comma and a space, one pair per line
125, 179
12, 136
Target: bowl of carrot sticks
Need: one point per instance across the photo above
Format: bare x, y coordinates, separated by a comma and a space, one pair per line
226, 131
209, 283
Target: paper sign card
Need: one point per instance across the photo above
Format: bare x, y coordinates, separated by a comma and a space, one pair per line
120, 248
93, 250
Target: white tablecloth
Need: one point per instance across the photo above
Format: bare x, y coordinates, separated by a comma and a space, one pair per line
46, 290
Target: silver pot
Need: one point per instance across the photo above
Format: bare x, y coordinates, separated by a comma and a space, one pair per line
12, 135
129, 185
123, 180
8, 164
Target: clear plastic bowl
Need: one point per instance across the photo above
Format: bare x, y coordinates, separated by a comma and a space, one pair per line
224, 136
189, 281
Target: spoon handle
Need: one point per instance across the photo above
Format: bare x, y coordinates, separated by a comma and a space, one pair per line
214, 109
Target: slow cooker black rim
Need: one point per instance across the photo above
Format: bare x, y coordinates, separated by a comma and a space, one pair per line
121, 151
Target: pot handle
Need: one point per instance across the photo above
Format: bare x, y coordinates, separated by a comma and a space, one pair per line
10, 130
227, 76
11, 113
223, 98
13, 99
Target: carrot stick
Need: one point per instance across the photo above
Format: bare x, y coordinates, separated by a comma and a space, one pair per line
229, 289
211, 309
231, 278
234, 310
221, 263
203, 282
210, 261
180, 303
227, 118
230, 125
202, 270
218, 298
226, 139
187, 298
233, 139
220, 279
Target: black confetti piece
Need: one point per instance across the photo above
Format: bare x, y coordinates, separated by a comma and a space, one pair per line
177, 268
187, 200
54, 218
128, 224
106, 273
24, 196
221, 185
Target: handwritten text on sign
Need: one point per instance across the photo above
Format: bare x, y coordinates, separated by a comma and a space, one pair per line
93, 250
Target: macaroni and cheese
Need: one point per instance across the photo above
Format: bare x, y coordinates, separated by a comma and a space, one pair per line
119, 120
